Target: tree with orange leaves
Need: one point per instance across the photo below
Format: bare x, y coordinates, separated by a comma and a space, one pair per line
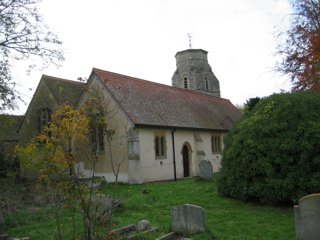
55, 155
301, 49
52, 157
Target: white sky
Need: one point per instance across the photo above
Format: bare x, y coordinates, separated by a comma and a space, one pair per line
140, 38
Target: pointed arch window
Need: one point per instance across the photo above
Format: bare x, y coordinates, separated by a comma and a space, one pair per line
160, 145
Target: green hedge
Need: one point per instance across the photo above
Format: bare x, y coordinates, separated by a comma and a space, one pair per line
273, 154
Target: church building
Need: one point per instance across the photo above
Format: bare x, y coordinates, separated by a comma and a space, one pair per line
161, 132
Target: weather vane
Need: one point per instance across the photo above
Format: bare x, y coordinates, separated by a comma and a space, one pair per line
189, 37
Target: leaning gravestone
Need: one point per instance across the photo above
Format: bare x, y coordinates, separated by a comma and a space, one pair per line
102, 201
188, 219
307, 217
206, 171
101, 206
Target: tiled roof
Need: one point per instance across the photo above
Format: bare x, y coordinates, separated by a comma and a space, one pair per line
65, 91
153, 104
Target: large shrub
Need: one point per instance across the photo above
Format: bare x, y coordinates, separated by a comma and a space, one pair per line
273, 154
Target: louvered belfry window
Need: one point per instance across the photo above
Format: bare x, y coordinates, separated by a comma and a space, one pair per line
185, 82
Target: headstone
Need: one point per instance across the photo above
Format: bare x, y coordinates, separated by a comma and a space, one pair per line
307, 217
206, 171
188, 219
101, 206
143, 225
102, 201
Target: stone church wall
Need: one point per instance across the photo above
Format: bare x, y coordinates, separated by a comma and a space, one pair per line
149, 168
43, 98
117, 121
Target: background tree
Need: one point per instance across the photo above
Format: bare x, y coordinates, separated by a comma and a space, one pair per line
272, 155
23, 36
301, 49
250, 104
8, 138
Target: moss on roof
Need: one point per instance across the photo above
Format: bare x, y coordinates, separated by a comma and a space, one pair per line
65, 91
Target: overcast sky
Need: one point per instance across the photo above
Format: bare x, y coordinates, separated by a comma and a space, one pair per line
140, 38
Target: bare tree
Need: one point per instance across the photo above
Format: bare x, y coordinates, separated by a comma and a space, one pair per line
23, 36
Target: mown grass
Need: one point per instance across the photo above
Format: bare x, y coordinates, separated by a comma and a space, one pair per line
226, 218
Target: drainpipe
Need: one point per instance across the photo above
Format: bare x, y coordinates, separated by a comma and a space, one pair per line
174, 154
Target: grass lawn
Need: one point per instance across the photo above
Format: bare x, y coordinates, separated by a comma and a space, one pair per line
226, 218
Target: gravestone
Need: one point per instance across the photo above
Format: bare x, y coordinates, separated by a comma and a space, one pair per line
206, 171
143, 225
101, 206
101, 201
307, 217
188, 219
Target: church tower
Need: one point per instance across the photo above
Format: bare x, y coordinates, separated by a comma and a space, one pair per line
194, 72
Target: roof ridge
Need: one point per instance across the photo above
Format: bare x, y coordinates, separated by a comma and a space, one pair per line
127, 76
162, 84
52, 78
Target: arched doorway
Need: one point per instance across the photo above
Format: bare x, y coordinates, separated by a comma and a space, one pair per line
186, 164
